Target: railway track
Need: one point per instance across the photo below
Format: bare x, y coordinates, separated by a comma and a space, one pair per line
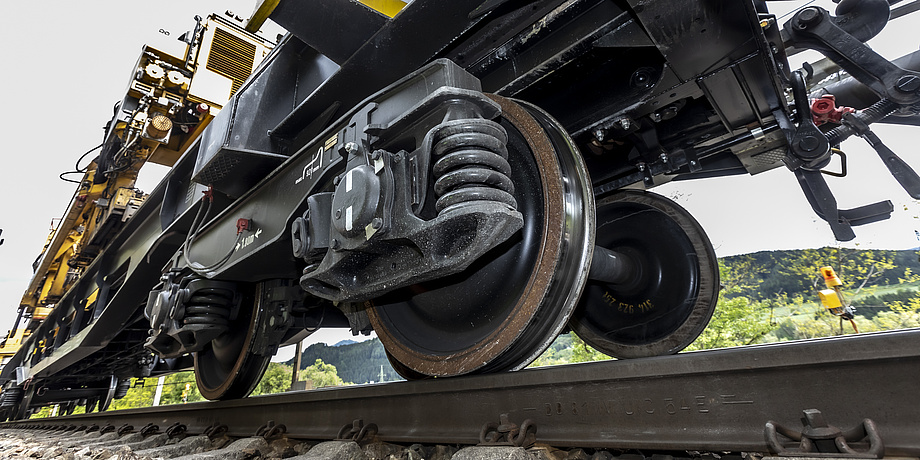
714, 401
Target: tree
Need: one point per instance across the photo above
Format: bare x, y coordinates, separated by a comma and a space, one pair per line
560, 352
180, 388
737, 321
138, 396
322, 375
582, 352
277, 379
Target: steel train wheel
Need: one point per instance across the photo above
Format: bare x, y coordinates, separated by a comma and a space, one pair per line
672, 291
228, 369
106, 400
507, 307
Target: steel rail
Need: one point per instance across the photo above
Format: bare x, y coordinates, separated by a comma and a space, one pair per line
717, 400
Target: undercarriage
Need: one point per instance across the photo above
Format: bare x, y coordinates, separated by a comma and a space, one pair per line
467, 196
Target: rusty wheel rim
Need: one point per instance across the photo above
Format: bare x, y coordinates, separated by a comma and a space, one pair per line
517, 298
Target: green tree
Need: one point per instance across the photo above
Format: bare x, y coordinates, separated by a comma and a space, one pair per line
736, 321
277, 379
582, 352
322, 375
180, 388
139, 395
560, 352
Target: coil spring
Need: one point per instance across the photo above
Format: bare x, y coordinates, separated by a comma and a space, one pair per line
10, 397
209, 306
472, 163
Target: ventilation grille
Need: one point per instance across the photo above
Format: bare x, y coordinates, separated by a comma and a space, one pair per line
231, 57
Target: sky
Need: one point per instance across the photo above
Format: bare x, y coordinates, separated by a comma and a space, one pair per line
66, 63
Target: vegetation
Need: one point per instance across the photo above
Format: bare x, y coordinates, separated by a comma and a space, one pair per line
358, 362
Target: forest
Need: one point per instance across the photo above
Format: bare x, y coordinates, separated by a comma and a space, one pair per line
768, 296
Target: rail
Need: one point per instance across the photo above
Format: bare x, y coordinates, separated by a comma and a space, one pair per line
717, 400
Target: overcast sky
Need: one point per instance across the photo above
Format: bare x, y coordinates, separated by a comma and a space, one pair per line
66, 63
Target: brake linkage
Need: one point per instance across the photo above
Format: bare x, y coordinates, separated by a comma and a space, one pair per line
842, 40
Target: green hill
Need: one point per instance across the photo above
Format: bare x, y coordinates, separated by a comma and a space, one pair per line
357, 362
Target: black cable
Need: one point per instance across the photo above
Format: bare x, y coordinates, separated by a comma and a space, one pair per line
77, 169
193, 234
61, 176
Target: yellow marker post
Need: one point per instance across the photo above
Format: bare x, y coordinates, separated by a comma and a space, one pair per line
833, 299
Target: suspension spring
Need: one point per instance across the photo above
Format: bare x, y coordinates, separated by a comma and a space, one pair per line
10, 397
209, 306
472, 163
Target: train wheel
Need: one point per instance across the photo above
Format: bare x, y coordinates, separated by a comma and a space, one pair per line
228, 369
109, 396
666, 297
508, 306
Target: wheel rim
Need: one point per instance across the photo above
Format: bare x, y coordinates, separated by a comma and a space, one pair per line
673, 293
106, 400
509, 305
227, 368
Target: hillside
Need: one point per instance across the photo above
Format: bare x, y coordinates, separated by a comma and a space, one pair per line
768, 274
356, 362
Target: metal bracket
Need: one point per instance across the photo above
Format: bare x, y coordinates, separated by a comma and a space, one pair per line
815, 28
149, 429
271, 431
215, 431
820, 440
175, 430
357, 431
809, 152
506, 433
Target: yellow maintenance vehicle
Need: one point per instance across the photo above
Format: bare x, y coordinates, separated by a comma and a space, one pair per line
168, 103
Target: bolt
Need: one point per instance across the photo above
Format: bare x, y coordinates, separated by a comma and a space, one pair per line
338, 213
336, 180
908, 83
335, 244
625, 124
664, 157
351, 148
376, 223
809, 143
808, 16
599, 134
